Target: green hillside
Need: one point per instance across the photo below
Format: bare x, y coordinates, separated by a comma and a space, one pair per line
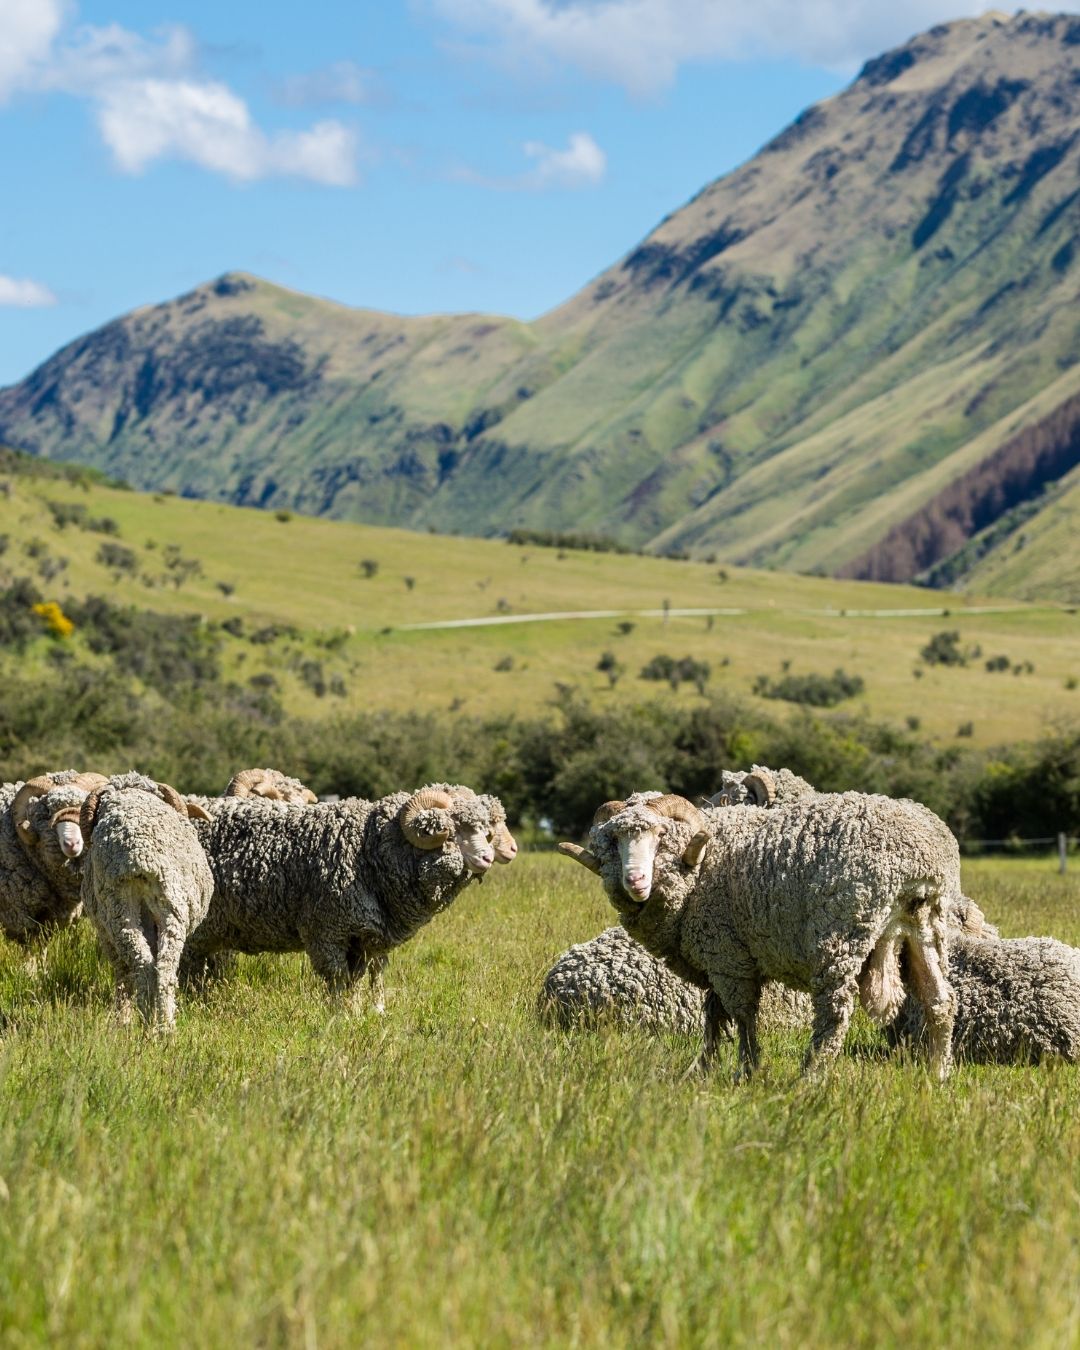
303, 619
793, 365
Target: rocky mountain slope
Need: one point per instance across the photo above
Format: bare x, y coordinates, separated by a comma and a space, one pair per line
852, 354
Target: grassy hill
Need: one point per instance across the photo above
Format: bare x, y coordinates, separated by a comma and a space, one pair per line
813, 351
302, 617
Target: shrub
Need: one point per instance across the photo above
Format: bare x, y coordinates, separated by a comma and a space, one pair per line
283, 516
54, 618
997, 663
505, 664
816, 691
369, 567
610, 666
966, 729
944, 649
116, 557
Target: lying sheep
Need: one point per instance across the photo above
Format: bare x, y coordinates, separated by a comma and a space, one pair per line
146, 884
344, 881
822, 896
39, 869
1017, 999
614, 978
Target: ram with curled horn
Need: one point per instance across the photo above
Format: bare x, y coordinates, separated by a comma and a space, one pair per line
346, 881
39, 875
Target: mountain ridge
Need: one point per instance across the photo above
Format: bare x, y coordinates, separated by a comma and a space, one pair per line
802, 358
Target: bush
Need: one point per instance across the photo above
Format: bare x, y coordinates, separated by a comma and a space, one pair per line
815, 691
944, 649
116, 557
369, 567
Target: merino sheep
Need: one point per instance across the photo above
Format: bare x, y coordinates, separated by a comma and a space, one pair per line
39, 869
614, 978
759, 787
344, 881
1017, 999
146, 884
822, 896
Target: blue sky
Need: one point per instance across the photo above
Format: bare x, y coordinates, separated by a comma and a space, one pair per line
414, 156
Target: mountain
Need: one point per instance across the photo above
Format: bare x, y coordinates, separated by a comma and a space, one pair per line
852, 354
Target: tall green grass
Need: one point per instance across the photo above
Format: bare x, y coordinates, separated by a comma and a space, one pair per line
456, 1173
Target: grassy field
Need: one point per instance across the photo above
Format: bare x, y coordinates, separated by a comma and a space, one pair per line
307, 573
454, 1173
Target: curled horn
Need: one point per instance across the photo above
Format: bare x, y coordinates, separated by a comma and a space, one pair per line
88, 813
761, 786
722, 798
246, 783
171, 797
310, 797
581, 855
36, 787
675, 807
427, 799
66, 815
606, 811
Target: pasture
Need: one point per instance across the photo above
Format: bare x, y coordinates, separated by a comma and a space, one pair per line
456, 1173
298, 590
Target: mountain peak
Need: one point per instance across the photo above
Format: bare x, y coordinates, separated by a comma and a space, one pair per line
818, 347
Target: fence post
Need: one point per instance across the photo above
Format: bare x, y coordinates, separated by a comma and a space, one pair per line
1063, 845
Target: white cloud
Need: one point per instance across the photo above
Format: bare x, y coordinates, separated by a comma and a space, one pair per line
581, 164
641, 44
24, 294
205, 123
340, 82
151, 102
27, 31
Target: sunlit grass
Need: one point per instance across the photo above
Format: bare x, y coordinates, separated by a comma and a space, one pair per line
456, 1173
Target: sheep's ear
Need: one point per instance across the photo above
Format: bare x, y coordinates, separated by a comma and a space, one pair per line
197, 812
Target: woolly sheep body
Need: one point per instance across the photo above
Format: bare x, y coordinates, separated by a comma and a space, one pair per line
804, 895
1018, 1001
338, 880
615, 978
146, 885
39, 886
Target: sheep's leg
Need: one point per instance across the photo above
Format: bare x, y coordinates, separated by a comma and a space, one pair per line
833, 1005
375, 967
739, 1000
935, 994
713, 1020
136, 958
331, 961
170, 949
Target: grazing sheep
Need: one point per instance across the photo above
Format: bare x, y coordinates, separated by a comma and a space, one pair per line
39, 870
1017, 999
146, 884
614, 978
344, 881
822, 896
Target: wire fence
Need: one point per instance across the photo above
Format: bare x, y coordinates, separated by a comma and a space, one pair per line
1062, 845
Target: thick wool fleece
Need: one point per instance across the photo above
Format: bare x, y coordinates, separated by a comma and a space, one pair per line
614, 978
146, 884
1017, 1001
802, 895
39, 886
338, 880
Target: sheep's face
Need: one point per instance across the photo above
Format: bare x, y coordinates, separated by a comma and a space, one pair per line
626, 847
475, 843
55, 845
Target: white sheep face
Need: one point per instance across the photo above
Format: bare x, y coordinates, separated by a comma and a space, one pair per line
476, 848
637, 854
69, 837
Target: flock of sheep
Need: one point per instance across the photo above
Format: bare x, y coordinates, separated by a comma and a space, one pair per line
767, 903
